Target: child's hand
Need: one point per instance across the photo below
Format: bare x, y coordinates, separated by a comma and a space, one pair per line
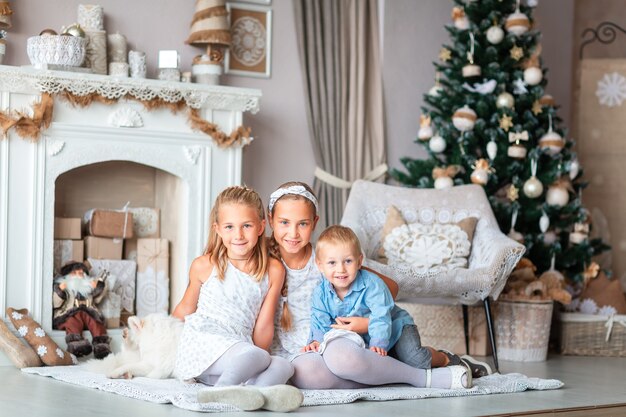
62, 286
312, 347
380, 351
355, 324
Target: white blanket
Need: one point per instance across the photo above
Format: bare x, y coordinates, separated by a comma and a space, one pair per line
184, 395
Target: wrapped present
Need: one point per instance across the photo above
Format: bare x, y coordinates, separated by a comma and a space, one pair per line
123, 275
108, 223
67, 228
65, 251
130, 249
111, 304
152, 276
146, 222
103, 248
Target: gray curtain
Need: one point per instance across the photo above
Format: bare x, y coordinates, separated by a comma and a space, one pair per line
339, 49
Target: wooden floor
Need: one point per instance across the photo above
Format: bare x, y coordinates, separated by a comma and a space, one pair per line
593, 387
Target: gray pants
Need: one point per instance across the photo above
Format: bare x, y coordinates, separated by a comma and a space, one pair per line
409, 349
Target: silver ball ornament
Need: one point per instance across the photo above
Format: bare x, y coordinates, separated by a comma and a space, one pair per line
533, 75
533, 187
505, 100
557, 196
442, 183
437, 144
495, 34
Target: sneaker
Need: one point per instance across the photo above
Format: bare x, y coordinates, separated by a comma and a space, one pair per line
453, 358
478, 368
244, 397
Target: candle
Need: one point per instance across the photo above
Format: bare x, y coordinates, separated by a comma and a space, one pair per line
91, 16
137, 63
117, 48
118, 69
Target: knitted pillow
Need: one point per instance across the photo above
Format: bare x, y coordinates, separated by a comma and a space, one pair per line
49, 352
428, 247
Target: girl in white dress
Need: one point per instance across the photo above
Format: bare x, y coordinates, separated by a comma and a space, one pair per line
229, 307
292, 212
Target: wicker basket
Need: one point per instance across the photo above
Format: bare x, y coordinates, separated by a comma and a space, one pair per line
593, 335
523, 330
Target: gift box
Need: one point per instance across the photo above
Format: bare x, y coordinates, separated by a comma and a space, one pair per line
130, 249
152, 276
108, 223
441, 327
67, 228
111, 304
103, 248
121, 280
146, 222
65, 251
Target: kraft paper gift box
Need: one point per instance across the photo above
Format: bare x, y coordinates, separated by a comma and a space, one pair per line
67, 228
65, 251
121, 280
130, 249
103, 248
153, 282
108, 223
146, 222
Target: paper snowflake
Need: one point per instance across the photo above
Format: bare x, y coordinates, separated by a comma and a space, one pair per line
611, 90
588, 306
17, 316
60, 353
607, 311
39, 332
23, 331
42, 350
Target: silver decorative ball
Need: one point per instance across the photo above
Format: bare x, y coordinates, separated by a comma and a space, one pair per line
437, 144
533, 75
557, 196
442, 183
505, 100
533, 187
495, 34
480, 176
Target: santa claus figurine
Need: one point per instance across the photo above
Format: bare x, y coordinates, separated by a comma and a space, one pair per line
75, 297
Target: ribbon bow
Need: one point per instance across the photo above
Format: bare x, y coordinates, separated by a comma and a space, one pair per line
517, 136
609, 326
449, 171
424, 120
483, 164
457, 12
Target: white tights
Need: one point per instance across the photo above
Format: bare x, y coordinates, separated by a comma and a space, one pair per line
344, 364
246, 363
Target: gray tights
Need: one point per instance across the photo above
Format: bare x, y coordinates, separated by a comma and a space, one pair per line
246, 363
344, 364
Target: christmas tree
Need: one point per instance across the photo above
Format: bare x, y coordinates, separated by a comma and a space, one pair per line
488, 120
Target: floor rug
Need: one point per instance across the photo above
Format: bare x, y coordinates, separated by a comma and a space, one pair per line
183, 395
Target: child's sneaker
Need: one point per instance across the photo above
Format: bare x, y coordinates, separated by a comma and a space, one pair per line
478, 368
461, 377
453, 358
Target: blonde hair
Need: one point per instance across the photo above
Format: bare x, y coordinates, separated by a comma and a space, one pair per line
338, 235
215, 247
274, 248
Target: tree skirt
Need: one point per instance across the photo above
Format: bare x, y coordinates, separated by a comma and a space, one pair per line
183, 395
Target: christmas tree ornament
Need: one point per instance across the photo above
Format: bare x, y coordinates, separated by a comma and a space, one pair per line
425, 131
483, 88
445, 54
481, 172
516, 53
517, 22
437, 144
536, 109
519, 87
495, 34
443, 176
549, 237
558, 193
533, 75
514, 234
512, 193
580, 233
461, 22
471, 69
533, 188
505, 101
492, 149
574, 169
506, 122
436, 89
517, 150
551, 142
464, 118
547, 100
544, 222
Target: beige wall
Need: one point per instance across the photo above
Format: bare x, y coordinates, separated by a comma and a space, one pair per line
413, 34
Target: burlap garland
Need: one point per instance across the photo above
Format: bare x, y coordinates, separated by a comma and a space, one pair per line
241, 135
25, 126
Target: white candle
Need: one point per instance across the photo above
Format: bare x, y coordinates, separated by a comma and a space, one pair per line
117, 48
137, 63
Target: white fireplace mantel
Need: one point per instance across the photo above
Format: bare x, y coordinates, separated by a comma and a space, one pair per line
123, 131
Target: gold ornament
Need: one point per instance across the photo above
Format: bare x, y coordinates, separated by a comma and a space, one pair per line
517, 53
512, 193
445, 54
506, 122
537, 108
481, 172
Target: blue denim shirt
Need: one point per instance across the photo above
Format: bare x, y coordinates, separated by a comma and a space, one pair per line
369, 297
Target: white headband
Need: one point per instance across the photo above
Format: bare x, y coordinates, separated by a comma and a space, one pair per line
296, 190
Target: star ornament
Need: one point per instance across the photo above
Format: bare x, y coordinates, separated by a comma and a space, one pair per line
512, 193
517, 53
506, 122
445, 54
537, 108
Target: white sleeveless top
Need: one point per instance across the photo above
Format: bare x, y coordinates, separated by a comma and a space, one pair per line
226, 313
301, 283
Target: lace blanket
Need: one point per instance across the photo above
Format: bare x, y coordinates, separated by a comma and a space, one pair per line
184, 395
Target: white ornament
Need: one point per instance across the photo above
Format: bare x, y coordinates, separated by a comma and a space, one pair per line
549, 237
544, 223
492, 150
505, 100
533, 75
480, 176
519, 87
425, 132
557, 195
552, 142
574, 169
611, 90
462, 23
435, 91
533, 187
577, 238
437, 144
464, 118
495, 34
443, 183
471, 70
517, 151
517, 23
125, 117
483, 88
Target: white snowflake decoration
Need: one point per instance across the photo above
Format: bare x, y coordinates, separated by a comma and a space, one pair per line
39, 332
152, 291
611, 90
23, 331
588, 306
74, 360
17, 316
60, 353
607, 311
42, 350
519, 87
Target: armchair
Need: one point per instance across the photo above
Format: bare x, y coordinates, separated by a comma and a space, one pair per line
493, 255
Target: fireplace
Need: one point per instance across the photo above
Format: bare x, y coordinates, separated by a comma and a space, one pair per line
106, 155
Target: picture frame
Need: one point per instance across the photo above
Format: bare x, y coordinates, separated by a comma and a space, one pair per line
250, 51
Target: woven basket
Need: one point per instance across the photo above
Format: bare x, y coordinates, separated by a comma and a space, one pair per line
593, 335
523, 330
56, 50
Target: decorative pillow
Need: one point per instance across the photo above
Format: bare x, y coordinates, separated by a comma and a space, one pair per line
433, 247
19, 353
49, 352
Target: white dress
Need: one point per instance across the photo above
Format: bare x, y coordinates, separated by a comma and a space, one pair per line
301, 283
226, 313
